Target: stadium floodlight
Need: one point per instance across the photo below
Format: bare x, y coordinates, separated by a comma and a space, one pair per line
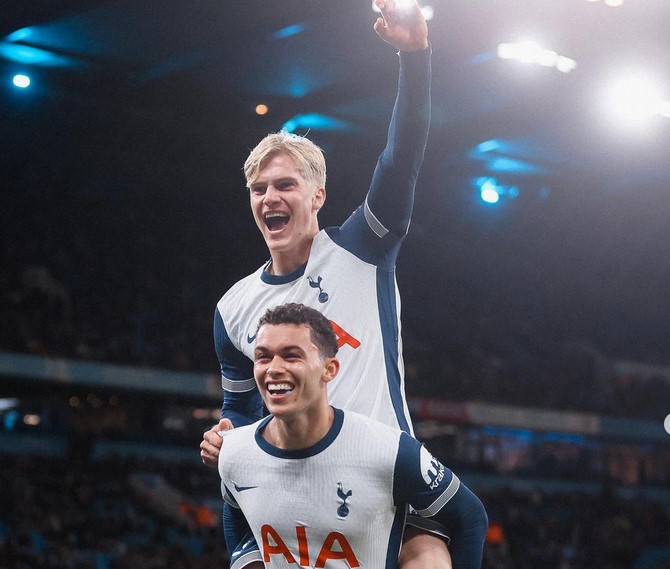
489, 194
531, 52
489, 191
427, 10
610, 3
21, 81
634, 100
565, 64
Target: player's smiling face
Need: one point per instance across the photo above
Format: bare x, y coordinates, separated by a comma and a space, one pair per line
290, 372
285, 207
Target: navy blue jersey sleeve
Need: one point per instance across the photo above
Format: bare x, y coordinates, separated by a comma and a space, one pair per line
240, 541
437, 493
242, 403
375, 230
390, 200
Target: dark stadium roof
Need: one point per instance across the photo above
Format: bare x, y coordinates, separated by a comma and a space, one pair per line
158, 96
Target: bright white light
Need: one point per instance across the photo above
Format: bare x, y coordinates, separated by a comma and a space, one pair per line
427, 11
528, 52
547, 58
665, 109
488, 190
565, 64
614, 3
399, 4
21, 81
634, 99
489, 195
531, 52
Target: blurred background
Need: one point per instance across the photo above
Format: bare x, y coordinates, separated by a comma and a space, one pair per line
536, 314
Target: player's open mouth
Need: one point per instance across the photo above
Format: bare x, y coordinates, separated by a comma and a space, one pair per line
279, 388
276, 220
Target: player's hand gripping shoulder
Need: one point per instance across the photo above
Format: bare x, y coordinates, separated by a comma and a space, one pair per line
404, 27
212, 441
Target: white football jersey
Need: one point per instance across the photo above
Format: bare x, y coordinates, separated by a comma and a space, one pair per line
350, 278
339, 504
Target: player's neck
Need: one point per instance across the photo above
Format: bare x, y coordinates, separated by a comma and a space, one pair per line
285, 262
299, 432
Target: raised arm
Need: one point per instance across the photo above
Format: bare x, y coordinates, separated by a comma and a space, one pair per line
391, 196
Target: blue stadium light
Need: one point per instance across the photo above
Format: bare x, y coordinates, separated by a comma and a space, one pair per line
489, 190
288, 31
488, 146
21, 81
489, 195
29, 55
521, 434
513, 165
315, 121
507, 156
22, 34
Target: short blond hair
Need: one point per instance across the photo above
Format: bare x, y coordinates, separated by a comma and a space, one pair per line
308, 157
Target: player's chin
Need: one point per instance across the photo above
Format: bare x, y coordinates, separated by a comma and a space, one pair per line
280, 409
276, 240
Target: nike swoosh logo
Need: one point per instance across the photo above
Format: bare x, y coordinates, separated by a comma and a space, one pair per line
243, 488
250, 339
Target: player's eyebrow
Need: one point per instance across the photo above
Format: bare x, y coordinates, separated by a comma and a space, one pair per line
262, 350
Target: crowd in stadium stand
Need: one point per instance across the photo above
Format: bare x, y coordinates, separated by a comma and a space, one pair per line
89, 515
108, 286
111, 286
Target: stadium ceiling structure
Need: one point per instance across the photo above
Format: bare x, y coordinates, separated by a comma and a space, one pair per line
555, 109
318, 66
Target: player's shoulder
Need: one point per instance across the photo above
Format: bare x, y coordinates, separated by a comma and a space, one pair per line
240, 289
239, 438
371, 428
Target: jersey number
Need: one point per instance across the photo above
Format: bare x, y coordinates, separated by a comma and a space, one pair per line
273, 544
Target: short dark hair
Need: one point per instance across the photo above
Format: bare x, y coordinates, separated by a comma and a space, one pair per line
321, 331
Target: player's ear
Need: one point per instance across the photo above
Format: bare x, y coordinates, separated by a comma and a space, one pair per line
319, 199
331, 367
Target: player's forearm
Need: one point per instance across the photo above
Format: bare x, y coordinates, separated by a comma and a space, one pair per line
408, 130
465, 517
242, 408
391, 195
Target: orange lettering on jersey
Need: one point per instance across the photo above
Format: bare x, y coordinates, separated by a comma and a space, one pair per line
345, 551
343, 337
278, 547
301, 533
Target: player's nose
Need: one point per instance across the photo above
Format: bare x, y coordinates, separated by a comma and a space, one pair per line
271, 194
275, 367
